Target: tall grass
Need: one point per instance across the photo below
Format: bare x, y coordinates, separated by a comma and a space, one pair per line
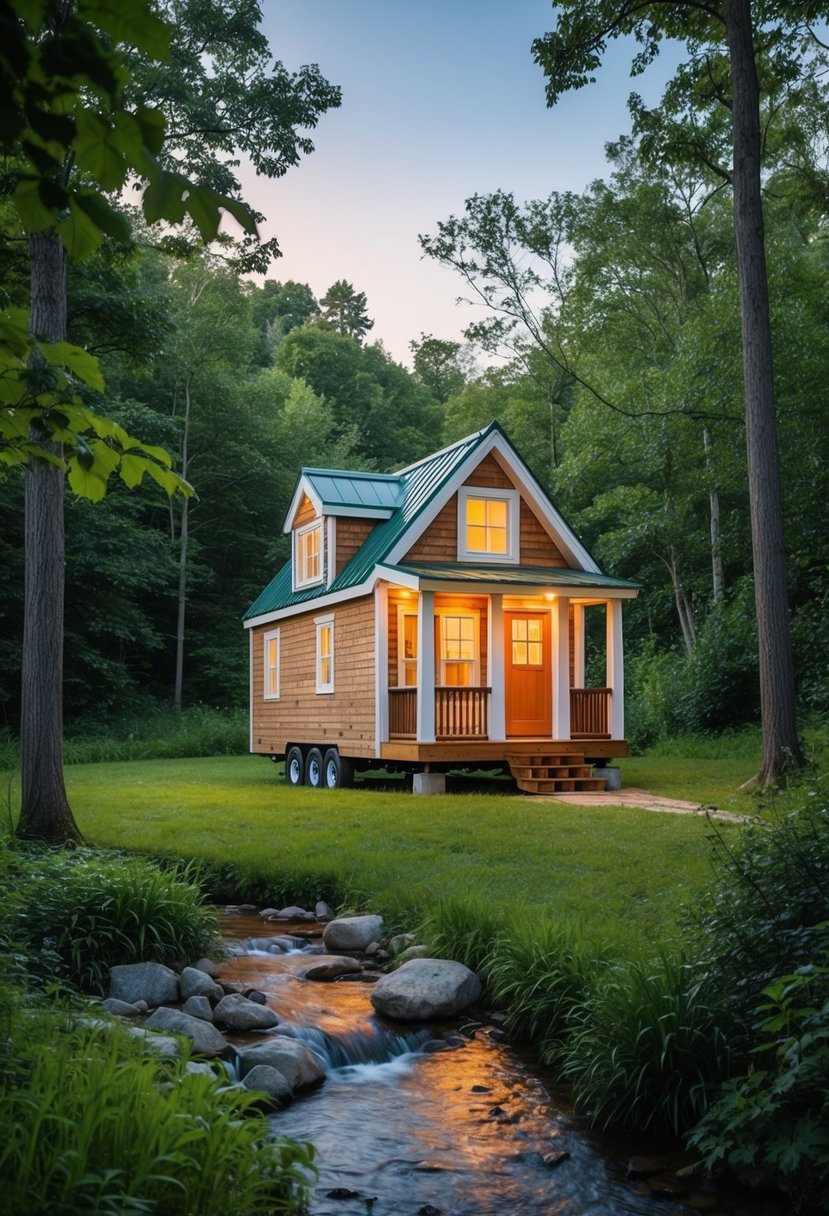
98, 1127
78, 914
650, 1052
159, 733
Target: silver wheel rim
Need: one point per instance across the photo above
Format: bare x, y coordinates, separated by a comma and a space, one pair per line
314, 772
331, 775
293, 771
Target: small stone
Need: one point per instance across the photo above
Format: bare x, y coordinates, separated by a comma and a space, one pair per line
267, 1080
195, 982
480, 1089
455, 1040
236, 1012
150, 982
330, 967
207, 966
372, 948
342, 1192
496, 1035
246, 909
120, 1009
433, 1045
323, 911
294, 913
411, 952
258, 998
206, 1039
554, 1160
429, 1209
267, 913
198, 1007
352, 933
401, 941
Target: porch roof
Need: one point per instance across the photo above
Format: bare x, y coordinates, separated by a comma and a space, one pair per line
508, 576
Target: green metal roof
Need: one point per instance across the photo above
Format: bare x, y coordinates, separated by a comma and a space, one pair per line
513, 576
337, 488
415, 487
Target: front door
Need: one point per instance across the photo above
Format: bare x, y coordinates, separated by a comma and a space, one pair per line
528, 683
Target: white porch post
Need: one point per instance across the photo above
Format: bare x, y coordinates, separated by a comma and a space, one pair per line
426, 668
561, 668
615, 669
497, 712
381, 666
578, 645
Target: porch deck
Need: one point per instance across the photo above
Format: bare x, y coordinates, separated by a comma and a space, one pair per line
487, 751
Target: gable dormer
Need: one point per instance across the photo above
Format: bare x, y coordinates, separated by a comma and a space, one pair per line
324, 497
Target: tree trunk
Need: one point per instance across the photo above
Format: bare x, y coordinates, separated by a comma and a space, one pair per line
683, 608
781, 746
44, 810
714, 519
184, 537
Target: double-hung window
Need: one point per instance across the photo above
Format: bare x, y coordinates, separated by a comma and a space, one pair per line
406, 648
325, 653
272, 666
458, 660
308, 566
488, 524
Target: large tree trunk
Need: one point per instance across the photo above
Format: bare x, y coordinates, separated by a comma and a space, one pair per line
777, 689
44, 812
184, 540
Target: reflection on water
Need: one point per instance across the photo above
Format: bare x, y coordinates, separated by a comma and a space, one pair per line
471, 1131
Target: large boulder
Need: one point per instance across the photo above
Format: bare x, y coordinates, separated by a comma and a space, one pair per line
206, 1039
352, 933
426, 989
236, 1012
297, 1063
195, 982
150, 982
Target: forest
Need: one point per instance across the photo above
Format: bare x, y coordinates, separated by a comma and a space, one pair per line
608, 347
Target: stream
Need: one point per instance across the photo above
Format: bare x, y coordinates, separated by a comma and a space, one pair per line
472, 1130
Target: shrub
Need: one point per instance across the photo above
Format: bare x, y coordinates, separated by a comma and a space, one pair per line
81, 913
97, 1127
776, 1116
650, 1050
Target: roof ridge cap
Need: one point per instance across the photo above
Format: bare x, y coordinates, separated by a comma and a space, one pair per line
475, 435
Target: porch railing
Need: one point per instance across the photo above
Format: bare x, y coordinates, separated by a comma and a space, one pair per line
461, 713
590, 713
403, 712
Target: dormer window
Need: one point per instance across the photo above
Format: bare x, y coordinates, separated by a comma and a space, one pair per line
488, 524
308, 568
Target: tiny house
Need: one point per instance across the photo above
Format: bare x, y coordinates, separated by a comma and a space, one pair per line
435, 619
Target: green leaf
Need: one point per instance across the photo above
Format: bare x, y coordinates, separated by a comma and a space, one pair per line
203, 205
34, 215
86, 483
77, 360
80, 236
96, 150
242, 213
105, 217
164, 198
131, 22
152, 125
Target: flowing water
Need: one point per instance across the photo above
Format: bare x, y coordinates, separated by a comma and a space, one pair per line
470, 1131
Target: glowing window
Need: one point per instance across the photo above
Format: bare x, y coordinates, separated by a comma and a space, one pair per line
308, 555
527, 643
488, 524
272, 666
325, 653
458, 649
407, 648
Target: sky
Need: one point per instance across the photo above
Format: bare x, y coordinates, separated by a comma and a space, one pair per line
441, 100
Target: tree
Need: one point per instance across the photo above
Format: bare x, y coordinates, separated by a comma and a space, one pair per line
277, 308
569, 56
442, 367
344, 310
72, 141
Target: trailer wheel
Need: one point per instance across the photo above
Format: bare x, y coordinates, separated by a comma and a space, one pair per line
313, 768
337, 772
294, 766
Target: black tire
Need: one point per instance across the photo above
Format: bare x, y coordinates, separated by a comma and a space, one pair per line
337, 772
294, 766
313, 768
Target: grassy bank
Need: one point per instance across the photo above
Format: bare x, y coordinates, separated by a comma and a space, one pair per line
624, 877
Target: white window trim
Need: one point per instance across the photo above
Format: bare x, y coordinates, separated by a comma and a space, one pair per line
441, 613
513, 500
273, 635
321, 622
404, 610
298, 582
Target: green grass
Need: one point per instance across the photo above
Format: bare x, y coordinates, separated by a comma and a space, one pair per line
623, 877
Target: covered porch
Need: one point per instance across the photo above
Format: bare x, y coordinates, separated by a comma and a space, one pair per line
473, 671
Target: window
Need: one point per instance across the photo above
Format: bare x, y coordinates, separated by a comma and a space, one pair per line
406, 648
308, 555
325, 653
488, 524
527, 642
458, 660
272, 666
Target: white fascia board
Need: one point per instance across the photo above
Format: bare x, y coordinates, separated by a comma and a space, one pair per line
303, 487
400, 578
317, 604
518, 590
359, 512
530, 490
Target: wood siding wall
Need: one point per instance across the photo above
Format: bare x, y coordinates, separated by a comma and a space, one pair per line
439, 543
305, 513
351, 535
344, 718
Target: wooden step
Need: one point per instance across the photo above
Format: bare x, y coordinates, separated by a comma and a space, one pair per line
553, 773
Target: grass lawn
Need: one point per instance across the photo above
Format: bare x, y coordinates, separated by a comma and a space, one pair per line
626, 876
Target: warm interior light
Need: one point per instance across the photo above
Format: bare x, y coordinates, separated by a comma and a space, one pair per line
549, 596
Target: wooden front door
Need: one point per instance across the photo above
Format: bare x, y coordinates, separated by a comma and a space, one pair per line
528, 674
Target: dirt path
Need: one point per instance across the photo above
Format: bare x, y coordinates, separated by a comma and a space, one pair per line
640, 798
